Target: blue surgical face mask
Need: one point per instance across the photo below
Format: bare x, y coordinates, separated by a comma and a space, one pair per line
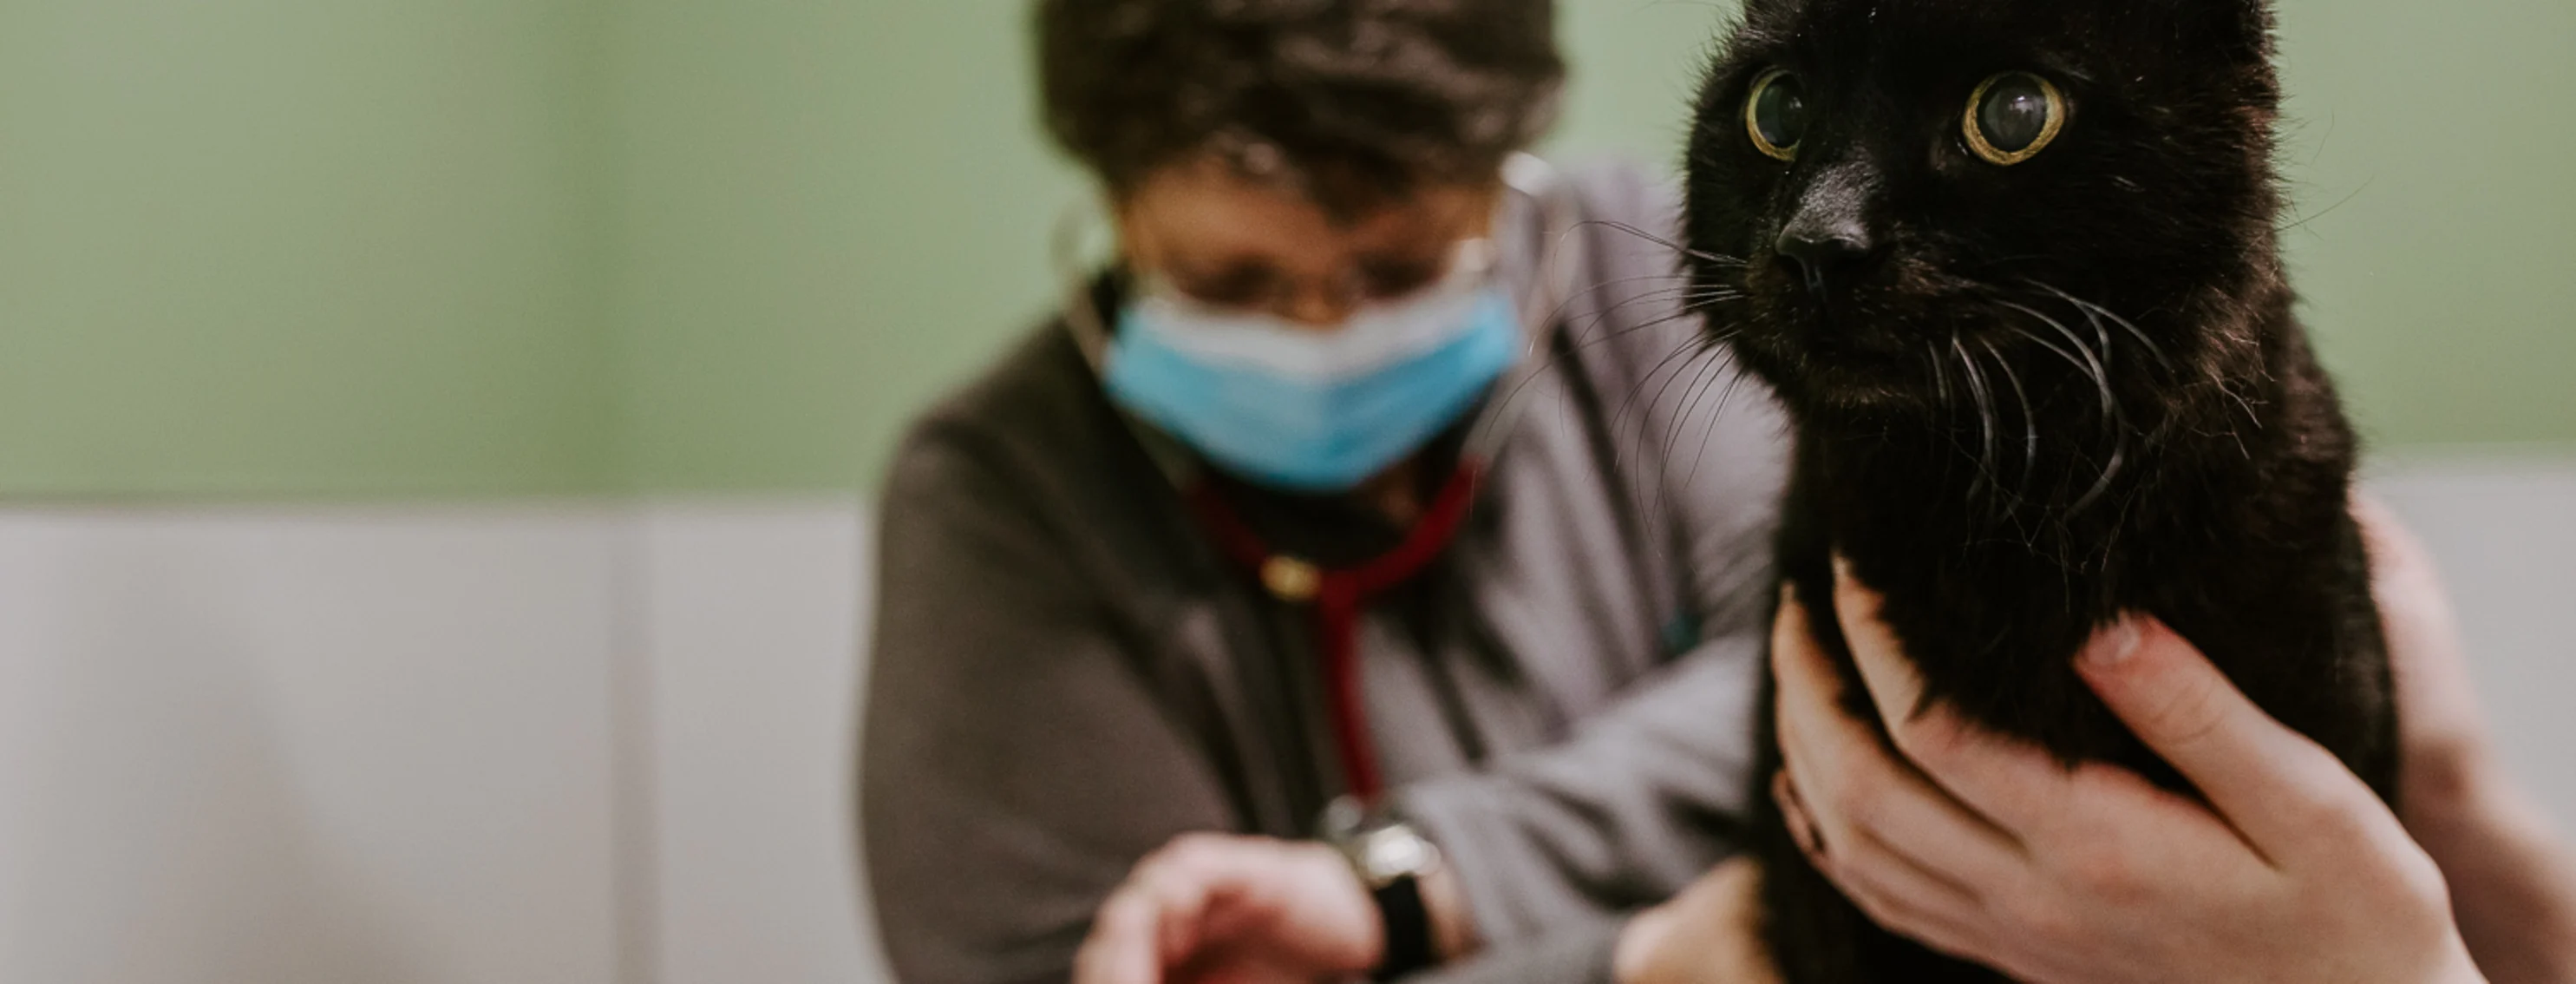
1305, 410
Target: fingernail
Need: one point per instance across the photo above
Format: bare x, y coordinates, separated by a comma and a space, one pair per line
2114, 645
1842, 568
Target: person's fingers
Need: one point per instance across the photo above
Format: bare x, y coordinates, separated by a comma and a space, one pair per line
1868, 860
1123, 945
1793, 814
1853, 786
1816, 738
1802, 693
1179, 880
2011, 785
1924, 916
1235, 969
1893, 683
1188, 881
1166, 905
2274, 785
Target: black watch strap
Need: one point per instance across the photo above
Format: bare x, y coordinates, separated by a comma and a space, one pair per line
1390, 858
1407, 923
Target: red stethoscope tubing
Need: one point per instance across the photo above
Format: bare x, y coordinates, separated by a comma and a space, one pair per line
1336, 596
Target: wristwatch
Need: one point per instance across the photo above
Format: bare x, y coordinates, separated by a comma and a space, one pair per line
1391, 859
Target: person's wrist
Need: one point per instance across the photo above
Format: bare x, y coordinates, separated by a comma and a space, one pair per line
1632, 957
1363, 928
1710, 932
2447, 771
1413, 901
2449, 790
1453, 930
2459, 968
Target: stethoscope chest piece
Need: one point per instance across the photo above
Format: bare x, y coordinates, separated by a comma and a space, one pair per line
1292, 580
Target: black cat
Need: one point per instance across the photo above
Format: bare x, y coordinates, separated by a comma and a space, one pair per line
2012, 266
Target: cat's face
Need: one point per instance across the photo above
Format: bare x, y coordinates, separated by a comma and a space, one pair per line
1889, 197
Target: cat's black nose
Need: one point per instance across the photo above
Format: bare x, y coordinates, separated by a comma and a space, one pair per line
1818, 253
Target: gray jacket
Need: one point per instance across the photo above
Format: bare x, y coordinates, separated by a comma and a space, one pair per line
1067, 675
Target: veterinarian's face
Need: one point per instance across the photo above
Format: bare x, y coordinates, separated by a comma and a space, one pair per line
1238, 241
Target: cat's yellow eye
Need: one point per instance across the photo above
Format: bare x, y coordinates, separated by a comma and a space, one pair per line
1775, 114
2014, 116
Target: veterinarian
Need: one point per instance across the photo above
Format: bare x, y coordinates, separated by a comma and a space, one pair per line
1366, 575
1378, 469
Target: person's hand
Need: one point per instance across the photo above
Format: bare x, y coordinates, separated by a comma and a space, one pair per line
2442, 736
1994, 852
1234, 910
2513, 881
1709, 934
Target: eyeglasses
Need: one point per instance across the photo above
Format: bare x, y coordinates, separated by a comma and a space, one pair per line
1329, 300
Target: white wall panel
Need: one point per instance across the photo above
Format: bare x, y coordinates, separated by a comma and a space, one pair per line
326, 746
511, 744
753, 615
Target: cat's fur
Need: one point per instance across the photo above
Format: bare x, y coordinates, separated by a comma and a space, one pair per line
2052, 393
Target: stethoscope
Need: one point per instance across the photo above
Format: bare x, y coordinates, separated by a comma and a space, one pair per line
1336, 596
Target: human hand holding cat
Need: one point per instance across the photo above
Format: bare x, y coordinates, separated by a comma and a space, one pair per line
1990, 850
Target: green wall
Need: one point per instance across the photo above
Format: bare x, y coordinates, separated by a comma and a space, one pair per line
301, 247
2433, 164
370, 247
828, 211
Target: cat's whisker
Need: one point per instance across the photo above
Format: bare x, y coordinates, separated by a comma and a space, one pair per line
1685, 354
2110, 472
2115, 424
1698, 344
2053, 348
1939, 360
2029, 420
1718, 259
1600, 286
1577, 335
1712, 336
1724, 397
1712, 299
2302, 221
1707, 373
2091, 309
2101, 375
1642, 297
1985, 414
1685, 299
1940, 374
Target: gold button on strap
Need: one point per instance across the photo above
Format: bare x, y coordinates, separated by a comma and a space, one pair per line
1290, 579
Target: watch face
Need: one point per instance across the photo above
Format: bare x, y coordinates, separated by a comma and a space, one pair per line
1393, 852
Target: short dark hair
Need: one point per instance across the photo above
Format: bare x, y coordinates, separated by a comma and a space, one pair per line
1356, 99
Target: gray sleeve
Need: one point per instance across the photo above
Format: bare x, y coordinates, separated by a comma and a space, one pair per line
990, 836
1645, 795
1637, 806
1572, 954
